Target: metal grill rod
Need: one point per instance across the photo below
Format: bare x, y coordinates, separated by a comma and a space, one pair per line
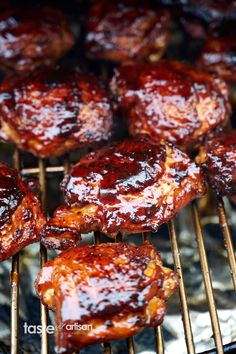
36, 170
97, 240
159, 340
182, 294
227, 238
158, 332
43, 258
207, 280
15, 285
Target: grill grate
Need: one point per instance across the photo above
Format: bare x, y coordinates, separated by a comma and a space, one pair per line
42, 170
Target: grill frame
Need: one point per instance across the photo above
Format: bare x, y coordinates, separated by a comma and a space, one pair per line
41, 171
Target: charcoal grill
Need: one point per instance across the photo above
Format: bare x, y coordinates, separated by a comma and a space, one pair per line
43, 171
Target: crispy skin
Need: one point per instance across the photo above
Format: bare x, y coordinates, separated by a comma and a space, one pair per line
170, 101
119, 31
31, 38
218, 55
128, 187
21, 217
117, 288
218, 159
55, 111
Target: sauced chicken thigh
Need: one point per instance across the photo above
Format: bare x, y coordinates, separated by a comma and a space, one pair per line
54, 111
218, 159
21, 217
201, 17
218, 55
32, 38
124, 30
115, 288
171, 101
128, 187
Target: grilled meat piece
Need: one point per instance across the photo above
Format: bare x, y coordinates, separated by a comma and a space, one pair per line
171, 101
115, 288
218, 159
31, 38
201, 17
119, 31
55, 111
21, 217
127, 187
218, 55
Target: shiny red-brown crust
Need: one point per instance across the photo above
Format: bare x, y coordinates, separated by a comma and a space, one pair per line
52, 112
31, 38
21, 217
171, 101
128, 187
119, 31
116, 288
218, 55
218, 159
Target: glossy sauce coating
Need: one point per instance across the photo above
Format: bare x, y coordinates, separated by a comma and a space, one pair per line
52, 112
128, 187
218, 159
116, 288
123, 30
21, 217
31, 38
170, 101
218, 55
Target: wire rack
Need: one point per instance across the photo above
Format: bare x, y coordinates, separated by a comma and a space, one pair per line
42, 171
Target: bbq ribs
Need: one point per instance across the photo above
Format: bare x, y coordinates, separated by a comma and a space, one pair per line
31, 38
54, 111
116, 288
124, 30
218, 159
127, 187
171, 101
21, 217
